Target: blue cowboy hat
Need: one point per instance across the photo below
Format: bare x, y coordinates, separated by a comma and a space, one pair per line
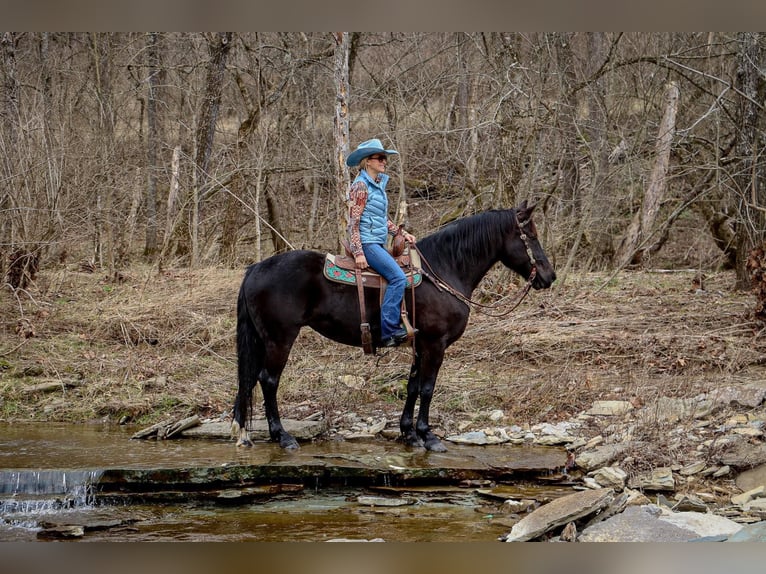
366, 149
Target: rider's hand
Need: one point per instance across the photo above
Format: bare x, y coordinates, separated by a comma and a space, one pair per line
361, 261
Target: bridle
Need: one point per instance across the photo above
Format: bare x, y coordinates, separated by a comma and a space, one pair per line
482, 308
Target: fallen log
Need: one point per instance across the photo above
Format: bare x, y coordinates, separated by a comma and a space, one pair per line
167, 428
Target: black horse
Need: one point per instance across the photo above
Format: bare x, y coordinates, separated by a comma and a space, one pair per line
288, 291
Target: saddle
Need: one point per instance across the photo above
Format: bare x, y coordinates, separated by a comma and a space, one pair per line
342, 269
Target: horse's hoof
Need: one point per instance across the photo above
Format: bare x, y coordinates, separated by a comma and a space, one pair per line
435, 445
289, 443
245, 443
411, 440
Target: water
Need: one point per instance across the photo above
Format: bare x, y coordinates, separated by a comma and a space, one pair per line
54, 478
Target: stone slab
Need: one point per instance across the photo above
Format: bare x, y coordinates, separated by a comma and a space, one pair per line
753, 478
637, 524
566, 509
302, 430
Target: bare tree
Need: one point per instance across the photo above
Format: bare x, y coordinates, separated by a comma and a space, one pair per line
750, 176
103, 230
636, 239
153, 139
9, 114
482, 119
341, 120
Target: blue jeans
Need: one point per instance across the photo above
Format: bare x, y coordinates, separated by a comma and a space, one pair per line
390, 310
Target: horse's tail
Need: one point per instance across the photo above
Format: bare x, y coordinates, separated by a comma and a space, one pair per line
250, 350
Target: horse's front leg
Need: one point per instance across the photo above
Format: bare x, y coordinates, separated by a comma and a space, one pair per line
430, 369
409, 436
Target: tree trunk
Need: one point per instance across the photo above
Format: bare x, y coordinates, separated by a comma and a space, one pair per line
107, 232
9, 119
233, 201
152, 142
751, 173
634, 244
340, 132
219, 47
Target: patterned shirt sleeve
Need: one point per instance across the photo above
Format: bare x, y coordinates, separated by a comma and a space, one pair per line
357, 202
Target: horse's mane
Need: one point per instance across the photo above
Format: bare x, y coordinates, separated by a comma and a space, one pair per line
462, 243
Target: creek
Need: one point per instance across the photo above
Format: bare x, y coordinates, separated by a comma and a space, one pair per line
93, 483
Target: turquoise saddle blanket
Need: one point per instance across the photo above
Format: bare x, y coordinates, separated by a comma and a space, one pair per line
336, 268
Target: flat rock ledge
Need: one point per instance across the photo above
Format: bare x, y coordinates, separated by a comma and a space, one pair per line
301, 430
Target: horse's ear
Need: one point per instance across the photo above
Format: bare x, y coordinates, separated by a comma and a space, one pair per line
525, 208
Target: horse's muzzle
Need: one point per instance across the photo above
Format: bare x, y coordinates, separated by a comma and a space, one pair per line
544, 277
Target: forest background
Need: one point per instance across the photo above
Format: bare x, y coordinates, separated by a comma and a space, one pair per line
221, 148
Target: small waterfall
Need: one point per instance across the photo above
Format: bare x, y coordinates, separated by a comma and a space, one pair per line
29, 492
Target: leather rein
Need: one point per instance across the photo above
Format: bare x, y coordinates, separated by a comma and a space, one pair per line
480, 307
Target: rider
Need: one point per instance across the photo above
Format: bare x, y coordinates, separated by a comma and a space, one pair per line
369, 226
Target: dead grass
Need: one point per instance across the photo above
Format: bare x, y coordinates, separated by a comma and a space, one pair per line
156, 345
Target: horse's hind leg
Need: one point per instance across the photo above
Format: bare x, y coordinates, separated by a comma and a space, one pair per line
276, 358
239, 427
250, 354
269, 384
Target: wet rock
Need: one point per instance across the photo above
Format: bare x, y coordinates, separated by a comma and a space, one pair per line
609, 408
559, 512
384, 501
352, 435
636, 524
302, 430
657, 479
355, 540
752, 478
610, 477
243, 494
61, 531
518, 506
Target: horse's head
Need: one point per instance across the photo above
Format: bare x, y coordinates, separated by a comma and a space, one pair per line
523, 251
